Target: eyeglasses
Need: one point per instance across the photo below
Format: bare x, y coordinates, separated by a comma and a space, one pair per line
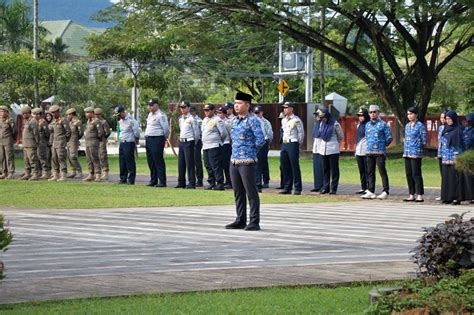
373, 112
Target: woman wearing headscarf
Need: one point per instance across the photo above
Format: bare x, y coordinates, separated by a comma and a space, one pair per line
468, 138
442, 121
452, 187
317, 163
330, 133
415, 140
361, 148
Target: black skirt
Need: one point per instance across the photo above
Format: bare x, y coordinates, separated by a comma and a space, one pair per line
452, 185
469, 185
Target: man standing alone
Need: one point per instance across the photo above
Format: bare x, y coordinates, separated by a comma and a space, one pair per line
247, 138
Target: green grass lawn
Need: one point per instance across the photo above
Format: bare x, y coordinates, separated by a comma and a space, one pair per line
302, 300
348, 168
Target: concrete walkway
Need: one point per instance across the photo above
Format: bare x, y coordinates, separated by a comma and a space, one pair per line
62, 254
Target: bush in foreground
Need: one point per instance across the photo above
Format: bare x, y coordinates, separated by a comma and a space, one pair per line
5, 239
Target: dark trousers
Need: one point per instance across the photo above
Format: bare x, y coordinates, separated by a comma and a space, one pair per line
156, 162
226, 155
186, 163
262, 156
317, 171
372, 162
244, 186
128, 168
290, 160
362, 165
198, 161
331, 172
213, 164
414, 177
452, 184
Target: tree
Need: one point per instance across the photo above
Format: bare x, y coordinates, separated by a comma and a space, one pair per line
406, 38
16, 27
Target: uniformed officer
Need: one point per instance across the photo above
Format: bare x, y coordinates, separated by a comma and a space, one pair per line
226, 146
187, 143
43, 151
73, 143
61, 135
293, 136
156, 132
263, 170
129, 133
247, 138
93, 133
49, 119
30, 140
229, 106
213, 135
7, 139
104, 158
198, 148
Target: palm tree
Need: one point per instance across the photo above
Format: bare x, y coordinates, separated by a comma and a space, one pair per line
16, 26
58, 50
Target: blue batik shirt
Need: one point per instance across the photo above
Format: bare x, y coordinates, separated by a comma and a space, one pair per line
440, 132
378, 136
468, 138
247, 138
448, 153
415, 140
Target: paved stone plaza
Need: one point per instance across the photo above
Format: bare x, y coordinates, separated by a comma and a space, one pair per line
60, 254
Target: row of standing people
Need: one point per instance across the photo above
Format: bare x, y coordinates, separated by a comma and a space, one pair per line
51, 141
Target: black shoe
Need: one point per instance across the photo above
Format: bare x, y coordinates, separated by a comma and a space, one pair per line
180, 186
199, 183
252, 227
265, 185
161, 185
456, 202
151, 185
315, 190
323, 192
190, 187
360, 192
285, 192
228, 186
121, 182
236, 226
280, 187
218, 187
297, 192
131, 183
332, 192
259, 190
210, 187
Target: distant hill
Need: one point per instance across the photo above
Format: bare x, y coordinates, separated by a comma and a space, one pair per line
80, 11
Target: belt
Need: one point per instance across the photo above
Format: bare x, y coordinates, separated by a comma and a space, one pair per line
289, 141
154, 136
186, 139
124, 141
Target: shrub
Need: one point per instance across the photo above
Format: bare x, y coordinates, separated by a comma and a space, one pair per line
446, 248
5, 239
465, 162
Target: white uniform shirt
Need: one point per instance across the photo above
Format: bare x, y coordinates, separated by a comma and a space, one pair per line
157, 124
128, 129
186, 128
213, 132
292, 129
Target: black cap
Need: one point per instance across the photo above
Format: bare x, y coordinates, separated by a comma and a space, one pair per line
258, 109
185, 104
209, 106
288, 104
118, 110
243, 97
229, 105
153, 101
222, 110
192, 108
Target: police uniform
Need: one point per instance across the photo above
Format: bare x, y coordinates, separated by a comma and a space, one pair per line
156, 132
30, 139
198, 147
104, 158
73, 144
43, 152
187, 142
213, 134
61, 135
7, 138
129, 132
263, 171
293, 136
226, 148
93, 133
247, 138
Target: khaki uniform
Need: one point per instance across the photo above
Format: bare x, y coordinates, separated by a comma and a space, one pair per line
7, 139
73, 146
44, 150
104, 159
30, 140
93, 133
61, 135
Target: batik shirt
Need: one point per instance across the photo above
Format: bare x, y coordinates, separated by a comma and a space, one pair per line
247, 137
448, 153
415, 140
440, 132
468, 138
378, 136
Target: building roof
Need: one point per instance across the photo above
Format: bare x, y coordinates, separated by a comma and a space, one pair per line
72, 34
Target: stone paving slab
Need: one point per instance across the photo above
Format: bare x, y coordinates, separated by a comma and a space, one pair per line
62, 254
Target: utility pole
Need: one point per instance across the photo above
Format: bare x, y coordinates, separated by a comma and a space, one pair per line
321, 60
35, 48
280, 66
309, 68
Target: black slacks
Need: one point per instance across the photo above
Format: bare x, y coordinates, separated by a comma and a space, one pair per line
128, 168
372, 162
213, 164
262, 156
156, 162
414, 177
331, 172
362, 165
317, 171
198, 161
290, 160
243, 183
226, 155
452, 184
186, 163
